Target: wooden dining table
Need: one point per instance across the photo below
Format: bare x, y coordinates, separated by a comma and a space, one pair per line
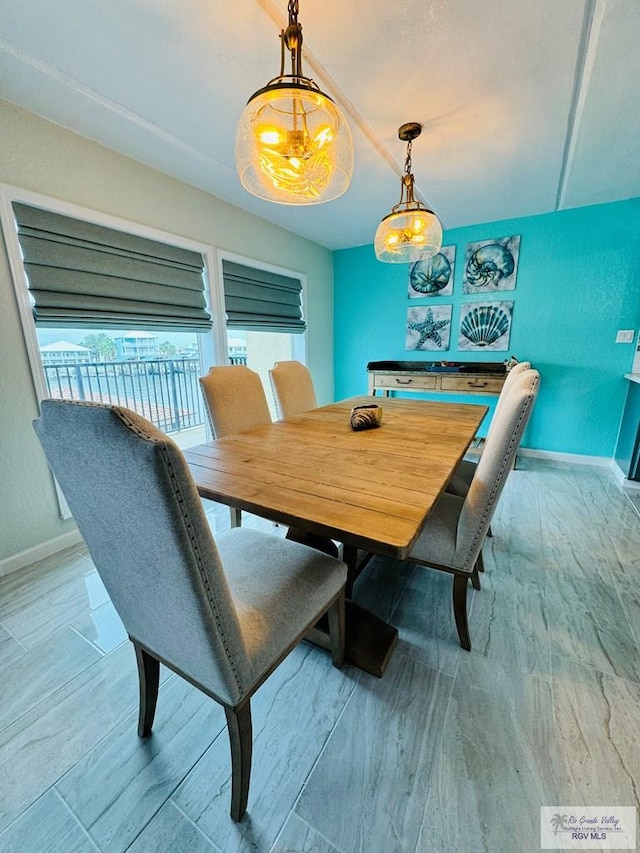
370, 490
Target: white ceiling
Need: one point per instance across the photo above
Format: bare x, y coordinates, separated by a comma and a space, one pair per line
527, 107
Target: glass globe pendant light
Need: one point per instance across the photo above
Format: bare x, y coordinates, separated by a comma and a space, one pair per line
293, 145
411, 231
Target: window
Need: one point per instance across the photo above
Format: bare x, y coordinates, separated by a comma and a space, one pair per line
71, 268
265, 316
155, 375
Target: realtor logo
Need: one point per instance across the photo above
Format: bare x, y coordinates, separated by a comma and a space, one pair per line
588, 828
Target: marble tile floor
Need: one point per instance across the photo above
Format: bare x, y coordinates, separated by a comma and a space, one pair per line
450, 751
634, 497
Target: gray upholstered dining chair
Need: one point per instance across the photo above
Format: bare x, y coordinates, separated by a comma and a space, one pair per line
235, 402
292, 388
466, 468
221, 613
452, 537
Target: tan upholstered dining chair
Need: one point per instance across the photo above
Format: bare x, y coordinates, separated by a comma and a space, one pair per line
466, 468
452, 537
293, 388
235, 402
235, 399
220, 613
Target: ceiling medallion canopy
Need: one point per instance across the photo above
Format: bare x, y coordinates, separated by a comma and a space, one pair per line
411, 231
293, 144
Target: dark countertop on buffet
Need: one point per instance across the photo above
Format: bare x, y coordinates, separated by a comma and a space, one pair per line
489, 367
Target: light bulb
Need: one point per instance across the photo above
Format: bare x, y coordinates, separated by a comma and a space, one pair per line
270, 135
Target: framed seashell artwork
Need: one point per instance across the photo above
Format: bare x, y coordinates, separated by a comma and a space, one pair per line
433, 276
491, 265
428, 328
485, 326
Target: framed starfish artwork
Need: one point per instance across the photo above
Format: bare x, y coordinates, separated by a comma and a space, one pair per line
428, 328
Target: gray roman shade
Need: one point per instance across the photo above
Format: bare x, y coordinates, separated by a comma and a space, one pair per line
260, 300
81, 274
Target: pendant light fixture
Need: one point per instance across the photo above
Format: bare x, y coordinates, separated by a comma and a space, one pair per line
293, 145
411, 231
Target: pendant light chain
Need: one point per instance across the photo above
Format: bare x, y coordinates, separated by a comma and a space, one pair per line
407, 162
292, 40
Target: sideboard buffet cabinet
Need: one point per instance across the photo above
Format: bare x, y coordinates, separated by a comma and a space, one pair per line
451, 377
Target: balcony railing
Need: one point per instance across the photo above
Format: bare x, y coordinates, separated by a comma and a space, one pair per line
165, 391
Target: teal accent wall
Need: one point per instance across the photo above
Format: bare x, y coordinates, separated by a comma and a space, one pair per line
578, 283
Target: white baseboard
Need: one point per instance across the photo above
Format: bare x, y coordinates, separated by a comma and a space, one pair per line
576, 458
619, 474
39, 552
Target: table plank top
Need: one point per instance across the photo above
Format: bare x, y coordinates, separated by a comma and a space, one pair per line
372, 489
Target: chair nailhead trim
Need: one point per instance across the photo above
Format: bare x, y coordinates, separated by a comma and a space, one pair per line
515, 439
162, 444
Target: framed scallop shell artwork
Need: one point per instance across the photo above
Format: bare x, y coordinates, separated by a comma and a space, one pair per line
428, 328
485, 326
491, 265
433, 276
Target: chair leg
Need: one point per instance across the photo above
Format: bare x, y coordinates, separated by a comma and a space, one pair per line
480, 562
236, 516
475, 578
337, 630
149, 678
489, 531
241, 741
460, 609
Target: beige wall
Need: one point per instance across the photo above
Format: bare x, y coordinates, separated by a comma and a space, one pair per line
42, 157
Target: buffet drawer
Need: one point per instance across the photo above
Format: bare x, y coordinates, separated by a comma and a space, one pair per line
472, 384
394, 380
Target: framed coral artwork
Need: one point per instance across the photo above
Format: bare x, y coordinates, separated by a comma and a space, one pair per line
491, 265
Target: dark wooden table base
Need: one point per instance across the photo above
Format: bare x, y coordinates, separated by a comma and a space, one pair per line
370, 641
